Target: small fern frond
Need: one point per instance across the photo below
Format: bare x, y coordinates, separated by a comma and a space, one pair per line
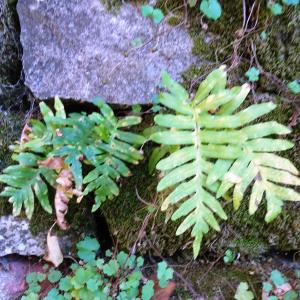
218, 151
98, 140
23, 182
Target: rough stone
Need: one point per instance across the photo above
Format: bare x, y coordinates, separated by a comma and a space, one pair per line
10, 65
78, 50
16, 238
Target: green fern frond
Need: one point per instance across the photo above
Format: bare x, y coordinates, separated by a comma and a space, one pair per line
24, 181
219, 150
99, 140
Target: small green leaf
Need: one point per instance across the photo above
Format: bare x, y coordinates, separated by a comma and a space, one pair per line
121, 258
100, 263
192, 3
253, 74
31, 296
211, 9
136, 42
242, 292
136, 108
146, 10
276, 9
157, 16
88, 244
267, 287
93, 284
277, 278
290, 295
228, 257
65, 284
111, 268
148, 290
294, 86
32, 277
290, 2
263, 35
54, 276
140, 261
164, 274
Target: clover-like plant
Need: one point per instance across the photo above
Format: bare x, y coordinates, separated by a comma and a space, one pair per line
113, 276
54, 150
220, 150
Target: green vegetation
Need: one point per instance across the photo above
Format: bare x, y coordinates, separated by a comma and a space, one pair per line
155, 14
114, 276
53, 152
242, 292
278, 287
211, 9
216, 154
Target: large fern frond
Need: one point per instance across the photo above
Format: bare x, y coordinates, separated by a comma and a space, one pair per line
218, 151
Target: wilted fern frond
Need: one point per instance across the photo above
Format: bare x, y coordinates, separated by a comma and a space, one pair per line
97, 140
219, 150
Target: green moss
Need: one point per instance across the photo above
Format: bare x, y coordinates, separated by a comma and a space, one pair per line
11, 124
216, 281
279, 53
125, 214
79, 217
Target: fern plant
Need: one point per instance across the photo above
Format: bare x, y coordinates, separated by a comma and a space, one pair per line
97, 140
219, 150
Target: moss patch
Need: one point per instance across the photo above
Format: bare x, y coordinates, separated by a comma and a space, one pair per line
11, 124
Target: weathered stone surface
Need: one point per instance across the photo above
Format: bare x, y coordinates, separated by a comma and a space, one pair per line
77, 49
16, 238
10, 55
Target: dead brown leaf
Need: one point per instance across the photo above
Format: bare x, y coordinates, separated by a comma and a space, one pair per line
54, 254
162, 293
54, 163
64, 192
64, 188
25, 134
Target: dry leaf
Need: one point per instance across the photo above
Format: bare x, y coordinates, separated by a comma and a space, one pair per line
64, 188
54, 254
282, 289
162, 293
54, 163
64, 192
58, 132
24, 135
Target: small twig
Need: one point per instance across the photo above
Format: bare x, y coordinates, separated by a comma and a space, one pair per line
209, 269
142, 200
141, 234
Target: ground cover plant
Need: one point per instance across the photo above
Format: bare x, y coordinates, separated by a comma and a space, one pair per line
112, 276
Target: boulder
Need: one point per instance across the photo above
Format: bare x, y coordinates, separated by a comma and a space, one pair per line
79, 50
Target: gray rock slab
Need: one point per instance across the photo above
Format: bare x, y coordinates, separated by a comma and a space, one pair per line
16, 238
78, 50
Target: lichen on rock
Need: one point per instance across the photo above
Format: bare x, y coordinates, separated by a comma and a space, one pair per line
79, 50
